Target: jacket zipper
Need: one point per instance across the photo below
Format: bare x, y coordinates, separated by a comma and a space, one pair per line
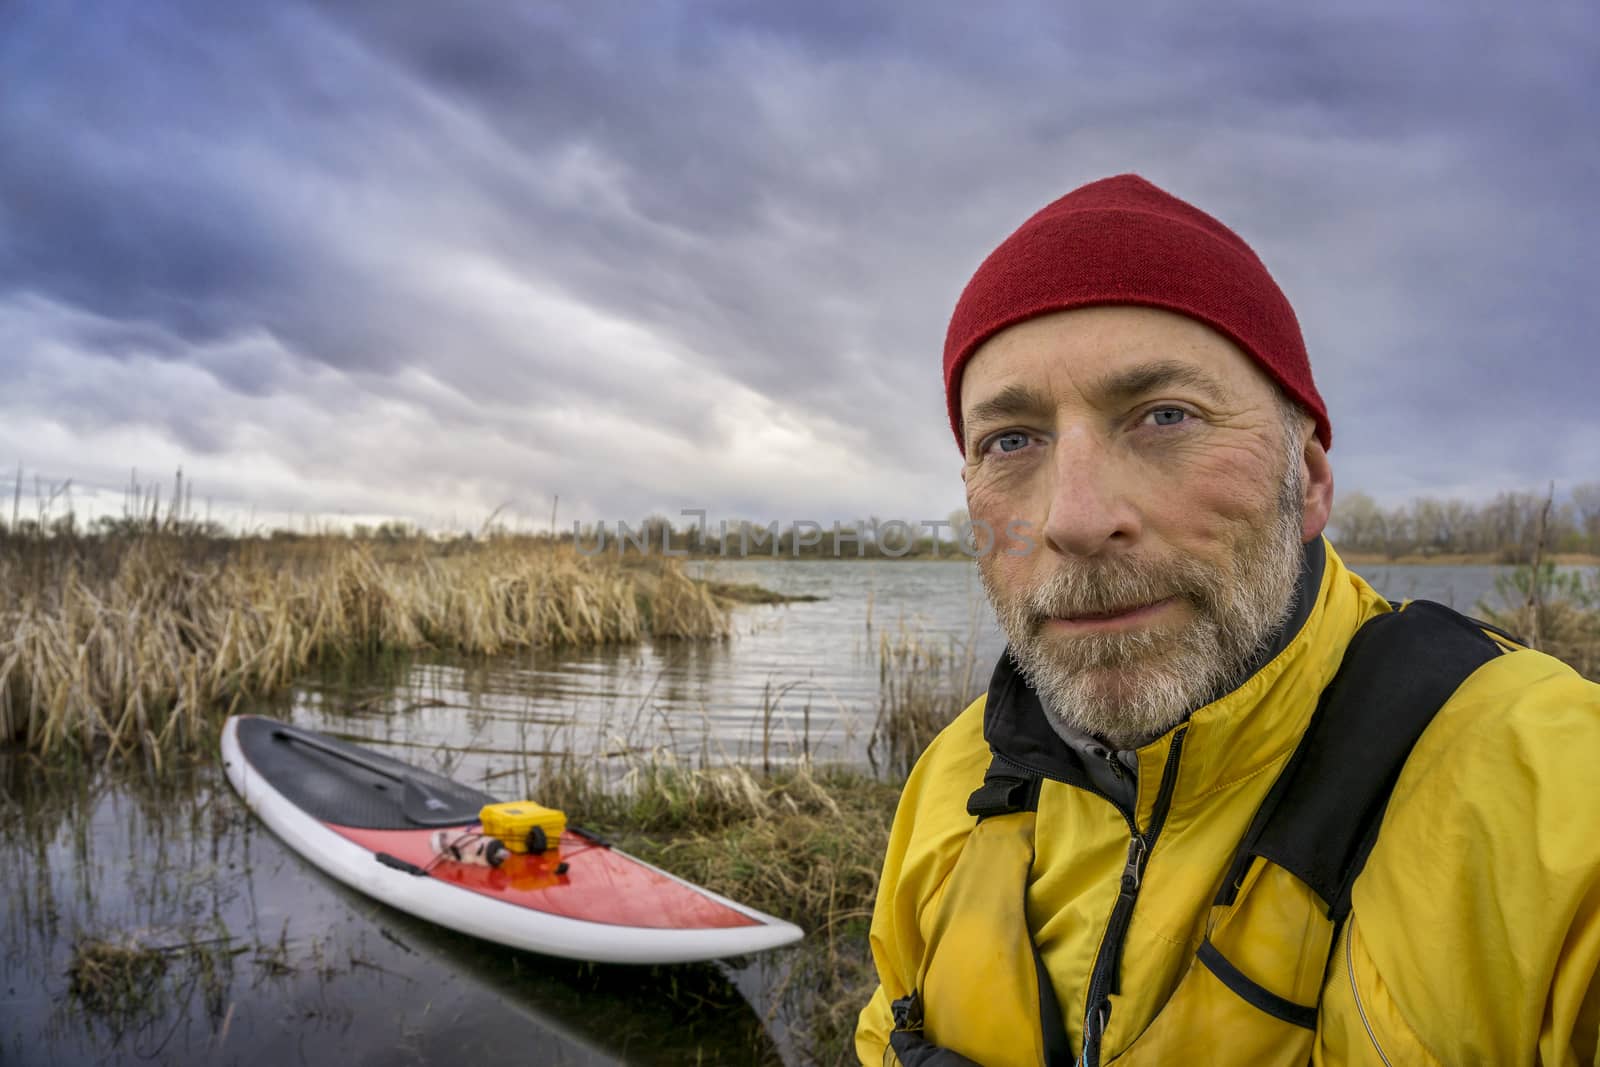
1104, 976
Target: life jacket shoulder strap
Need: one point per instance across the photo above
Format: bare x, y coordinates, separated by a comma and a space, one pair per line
1321, 817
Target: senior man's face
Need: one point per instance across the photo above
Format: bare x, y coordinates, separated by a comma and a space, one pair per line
1167, 491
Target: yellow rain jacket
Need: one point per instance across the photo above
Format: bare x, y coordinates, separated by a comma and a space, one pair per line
1473, 933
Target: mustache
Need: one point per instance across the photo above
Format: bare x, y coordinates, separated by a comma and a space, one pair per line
1078, 590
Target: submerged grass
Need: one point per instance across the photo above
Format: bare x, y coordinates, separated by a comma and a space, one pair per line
125, 984
118, 982
142, 643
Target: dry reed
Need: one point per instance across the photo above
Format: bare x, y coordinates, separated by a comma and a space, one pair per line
922, 685
1555, 611
143, 643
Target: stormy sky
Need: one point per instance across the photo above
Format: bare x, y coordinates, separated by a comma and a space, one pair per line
424, 260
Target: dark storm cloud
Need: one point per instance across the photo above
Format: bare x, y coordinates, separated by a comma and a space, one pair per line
103, 207
696, 213
605, 246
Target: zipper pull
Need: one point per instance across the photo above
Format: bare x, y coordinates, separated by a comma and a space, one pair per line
1134, 871
1132, 874
1095, 1031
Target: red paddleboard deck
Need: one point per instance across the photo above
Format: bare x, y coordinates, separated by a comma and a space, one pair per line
372, 821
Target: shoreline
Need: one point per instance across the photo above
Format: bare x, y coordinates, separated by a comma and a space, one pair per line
1354, 559
1462, 559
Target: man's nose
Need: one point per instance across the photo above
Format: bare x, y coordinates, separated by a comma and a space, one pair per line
1091, 511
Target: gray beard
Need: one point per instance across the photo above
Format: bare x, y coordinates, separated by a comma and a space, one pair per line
1130, 688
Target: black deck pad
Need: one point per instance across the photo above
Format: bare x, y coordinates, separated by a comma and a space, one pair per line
366, 790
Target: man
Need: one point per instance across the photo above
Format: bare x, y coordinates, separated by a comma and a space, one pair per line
1092, 863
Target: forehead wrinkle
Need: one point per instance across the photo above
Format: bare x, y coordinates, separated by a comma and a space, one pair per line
1112, 387
1141, 379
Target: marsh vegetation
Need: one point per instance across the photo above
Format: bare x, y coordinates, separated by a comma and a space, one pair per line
140, 642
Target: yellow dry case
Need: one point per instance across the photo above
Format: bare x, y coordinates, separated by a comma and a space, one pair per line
523, 825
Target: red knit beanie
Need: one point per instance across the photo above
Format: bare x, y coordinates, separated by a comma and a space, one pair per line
1124, 241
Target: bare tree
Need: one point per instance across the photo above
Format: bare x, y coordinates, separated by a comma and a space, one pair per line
1357, 523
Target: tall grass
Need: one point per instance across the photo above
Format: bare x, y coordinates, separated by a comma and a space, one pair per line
141, 643
922, 685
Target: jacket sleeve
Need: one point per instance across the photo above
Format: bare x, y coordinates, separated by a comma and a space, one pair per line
930, 824
1474, 935
896, 945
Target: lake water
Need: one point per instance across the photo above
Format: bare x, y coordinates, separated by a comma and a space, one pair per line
313, 973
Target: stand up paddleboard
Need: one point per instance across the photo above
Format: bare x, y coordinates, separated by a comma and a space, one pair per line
374, 823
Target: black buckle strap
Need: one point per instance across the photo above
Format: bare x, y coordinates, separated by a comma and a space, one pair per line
910, 1048
907, 1012
1005, 795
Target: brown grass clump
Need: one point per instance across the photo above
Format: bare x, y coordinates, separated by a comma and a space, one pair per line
676, 605
144, 642
1554, 611
125, 984
114, 979
814, 859
750, 593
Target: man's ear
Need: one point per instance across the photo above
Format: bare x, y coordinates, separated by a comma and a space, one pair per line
1318, 481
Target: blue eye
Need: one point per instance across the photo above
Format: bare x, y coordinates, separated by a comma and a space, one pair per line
1010, 442
1168, 416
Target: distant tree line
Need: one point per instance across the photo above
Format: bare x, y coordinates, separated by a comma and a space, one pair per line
1506, 527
